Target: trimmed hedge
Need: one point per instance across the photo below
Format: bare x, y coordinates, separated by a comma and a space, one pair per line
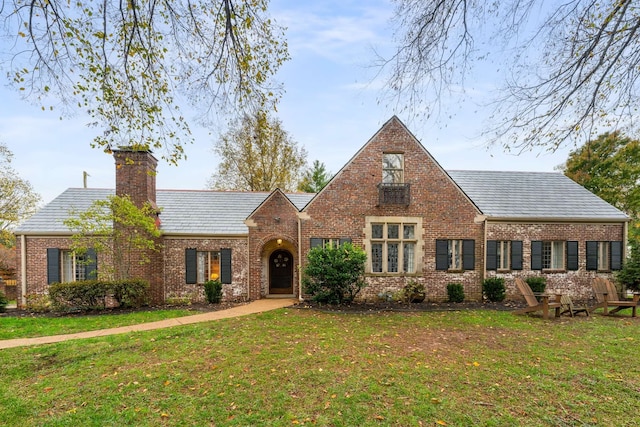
493, 289
213, 291
93, 294
455, 291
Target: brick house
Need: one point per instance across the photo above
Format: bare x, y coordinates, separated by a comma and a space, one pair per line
416, 222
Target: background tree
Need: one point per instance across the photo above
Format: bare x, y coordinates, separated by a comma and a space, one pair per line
609, 166
18, 201
315, 178
126, 63
117, 229
257, 154
572, 68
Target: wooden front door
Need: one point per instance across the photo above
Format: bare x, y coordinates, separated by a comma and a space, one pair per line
281, 272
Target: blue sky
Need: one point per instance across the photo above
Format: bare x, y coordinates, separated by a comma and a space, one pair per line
330, 107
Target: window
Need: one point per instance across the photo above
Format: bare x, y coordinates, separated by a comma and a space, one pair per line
74, 267
455, 254
553, 255
393, 247
325, 242
208, 266
68, 266
201, 266
393, 168
502, 254
604, 255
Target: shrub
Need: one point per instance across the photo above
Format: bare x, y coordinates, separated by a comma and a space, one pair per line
493, 289
629, 275
37, 303
335, 275
412, 292
537, 284
3, 302
213, 291
93, 294
177, 300
455, 291
130, 292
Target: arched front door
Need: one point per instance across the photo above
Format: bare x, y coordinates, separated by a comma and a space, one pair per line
281, 272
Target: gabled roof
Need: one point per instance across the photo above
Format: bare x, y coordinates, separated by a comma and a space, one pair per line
183, 211
533, 195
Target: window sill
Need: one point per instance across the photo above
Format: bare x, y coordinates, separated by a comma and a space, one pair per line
552, 271
392, 274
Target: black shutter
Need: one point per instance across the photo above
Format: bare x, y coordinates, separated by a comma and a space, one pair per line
225, 265
344, 240
191, 265
442, 254
91, 267
315, 242
469, 254
616, 255
536, 255
492, 255
53, 265
572, 255
592, 255
516, 254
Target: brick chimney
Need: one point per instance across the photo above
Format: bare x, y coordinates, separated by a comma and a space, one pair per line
136, 175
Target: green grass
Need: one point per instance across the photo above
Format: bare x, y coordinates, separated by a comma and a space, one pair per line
27, 327
303, 367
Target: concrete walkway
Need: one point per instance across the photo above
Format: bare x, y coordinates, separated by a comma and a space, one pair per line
253, 307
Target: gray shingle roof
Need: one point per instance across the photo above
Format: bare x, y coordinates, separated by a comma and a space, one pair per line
509, 195
183, 211
533, 195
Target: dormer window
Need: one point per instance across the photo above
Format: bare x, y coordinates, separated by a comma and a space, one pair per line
393, 168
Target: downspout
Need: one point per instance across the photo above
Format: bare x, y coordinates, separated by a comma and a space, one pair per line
299, 259
625, 240
23, 270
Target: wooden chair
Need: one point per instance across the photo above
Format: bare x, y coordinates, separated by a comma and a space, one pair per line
532, 301
572, 309
607, 296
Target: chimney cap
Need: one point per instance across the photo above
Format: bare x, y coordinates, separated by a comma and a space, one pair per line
135, 148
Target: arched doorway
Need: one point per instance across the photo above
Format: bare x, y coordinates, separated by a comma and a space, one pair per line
281, 272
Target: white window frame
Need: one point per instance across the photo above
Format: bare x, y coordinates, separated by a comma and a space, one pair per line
73, 267
454, 250
604, 256
554, 254
503, 255
203, 266
392, 175
402, 251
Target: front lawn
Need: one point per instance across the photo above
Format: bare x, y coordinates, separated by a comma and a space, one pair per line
304, 367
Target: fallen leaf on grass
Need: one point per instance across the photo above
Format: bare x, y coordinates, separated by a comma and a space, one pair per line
441, 423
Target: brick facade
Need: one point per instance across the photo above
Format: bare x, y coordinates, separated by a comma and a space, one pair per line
347, 208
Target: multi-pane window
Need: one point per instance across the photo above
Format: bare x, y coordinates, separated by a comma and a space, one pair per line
74, 267
208, 266
330, 243
392, 168
393, 247
603, 256
455, 254
503, 254
553, 255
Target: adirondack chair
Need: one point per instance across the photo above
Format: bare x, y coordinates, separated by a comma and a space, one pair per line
569, 307
607, 296
532, 302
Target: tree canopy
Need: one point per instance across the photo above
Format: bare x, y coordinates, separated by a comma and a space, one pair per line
315, 178
609, 166
18, 201
257, 154
571, 69
127, 64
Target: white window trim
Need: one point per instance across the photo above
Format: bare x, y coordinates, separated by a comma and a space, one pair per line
604, 256
504, 249
563, 261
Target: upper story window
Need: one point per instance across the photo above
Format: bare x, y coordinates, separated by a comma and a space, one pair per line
392, 168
